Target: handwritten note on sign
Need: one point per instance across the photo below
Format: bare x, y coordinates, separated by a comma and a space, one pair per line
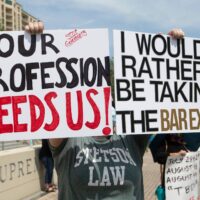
54, 84
182, 177
157, 83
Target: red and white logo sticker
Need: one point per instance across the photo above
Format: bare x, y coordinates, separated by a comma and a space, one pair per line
74, 36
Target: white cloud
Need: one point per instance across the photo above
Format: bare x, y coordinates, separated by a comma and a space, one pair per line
142, 14
116, 6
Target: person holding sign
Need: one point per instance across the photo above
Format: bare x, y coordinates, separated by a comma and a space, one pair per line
162, 146
99, 167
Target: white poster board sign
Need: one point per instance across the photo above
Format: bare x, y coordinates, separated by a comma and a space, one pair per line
182, 177
54, 84
156, 83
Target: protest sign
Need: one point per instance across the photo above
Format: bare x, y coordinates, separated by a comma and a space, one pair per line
182, 177
156, 83
54, 84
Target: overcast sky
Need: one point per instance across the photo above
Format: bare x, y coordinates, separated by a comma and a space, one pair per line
135, 15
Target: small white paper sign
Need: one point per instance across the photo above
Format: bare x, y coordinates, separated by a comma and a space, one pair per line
182, 177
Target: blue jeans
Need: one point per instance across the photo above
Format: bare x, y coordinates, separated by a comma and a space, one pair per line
49, 165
